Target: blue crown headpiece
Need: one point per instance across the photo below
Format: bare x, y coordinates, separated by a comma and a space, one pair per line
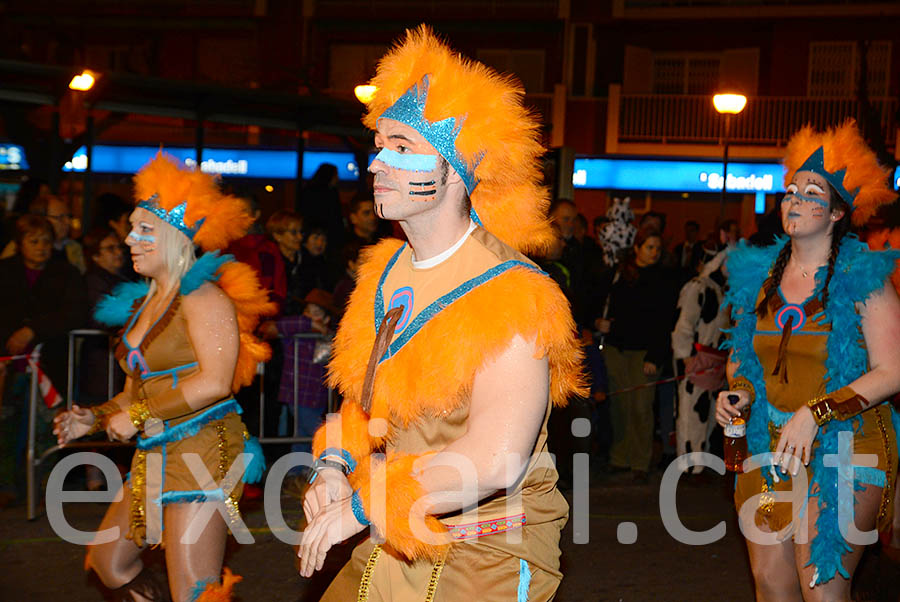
174, 218
816, 164
410, 109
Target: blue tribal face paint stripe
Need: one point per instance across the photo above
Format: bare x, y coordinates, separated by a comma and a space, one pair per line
147, 238
408, 161
806, 199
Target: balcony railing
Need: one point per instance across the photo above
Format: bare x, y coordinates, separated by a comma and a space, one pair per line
767, 120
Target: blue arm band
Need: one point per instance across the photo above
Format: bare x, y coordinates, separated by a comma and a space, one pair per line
342, 454
358, 511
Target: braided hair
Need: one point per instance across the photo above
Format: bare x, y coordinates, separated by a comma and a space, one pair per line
841, 227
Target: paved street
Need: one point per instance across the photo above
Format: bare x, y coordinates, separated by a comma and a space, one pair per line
40, 567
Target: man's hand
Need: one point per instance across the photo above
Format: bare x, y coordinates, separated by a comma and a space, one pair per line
120, 427
649, 368
334, 524
331, 485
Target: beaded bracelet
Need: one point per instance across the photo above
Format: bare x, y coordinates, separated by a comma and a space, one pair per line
358, 510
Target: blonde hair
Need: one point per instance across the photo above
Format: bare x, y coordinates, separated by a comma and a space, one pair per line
176, 250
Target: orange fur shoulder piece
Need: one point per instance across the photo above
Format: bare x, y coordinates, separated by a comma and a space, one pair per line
434, 372
239, 281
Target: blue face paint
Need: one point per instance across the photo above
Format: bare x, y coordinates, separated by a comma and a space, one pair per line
145, 238
805, 199
407, 161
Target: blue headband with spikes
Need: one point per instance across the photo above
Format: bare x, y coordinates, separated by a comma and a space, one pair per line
174, 218
816, 164
410, 109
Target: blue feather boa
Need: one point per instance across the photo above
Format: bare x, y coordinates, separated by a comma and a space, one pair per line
858, 272
115, 309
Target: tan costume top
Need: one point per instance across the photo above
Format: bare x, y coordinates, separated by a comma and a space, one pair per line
458, 314
215, 433
804, 379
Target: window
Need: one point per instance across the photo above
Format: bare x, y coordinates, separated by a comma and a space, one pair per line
526, 64
685, 73
834, 68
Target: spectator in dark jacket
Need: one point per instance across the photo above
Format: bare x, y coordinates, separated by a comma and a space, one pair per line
105, 255
637, 329
43, 298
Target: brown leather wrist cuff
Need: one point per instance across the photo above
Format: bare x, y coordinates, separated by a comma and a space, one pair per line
169, 404
101, 412
742, 384
842, 404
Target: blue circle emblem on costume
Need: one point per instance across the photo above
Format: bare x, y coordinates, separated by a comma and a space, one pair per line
796, 311
402, 296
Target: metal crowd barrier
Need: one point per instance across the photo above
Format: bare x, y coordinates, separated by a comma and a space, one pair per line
34, 461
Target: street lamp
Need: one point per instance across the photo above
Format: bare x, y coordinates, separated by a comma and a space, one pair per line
83, 82
365, 93
728, 105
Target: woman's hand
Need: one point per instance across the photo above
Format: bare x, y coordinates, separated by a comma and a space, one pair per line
725, 410
73, 424
795, 443
649, 368
19, 340
120, 427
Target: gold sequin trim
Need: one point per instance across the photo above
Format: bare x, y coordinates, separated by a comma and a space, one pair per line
366, 580
766, 500
234, 512
138, 529
888, 491
222, 443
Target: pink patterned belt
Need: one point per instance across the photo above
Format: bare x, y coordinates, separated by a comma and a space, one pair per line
486, 527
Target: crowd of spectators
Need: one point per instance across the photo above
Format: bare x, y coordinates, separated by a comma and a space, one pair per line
624, 304
624, 285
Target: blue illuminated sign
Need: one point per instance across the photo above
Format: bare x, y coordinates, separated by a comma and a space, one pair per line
12, 157
241, 163
897, 178
680, 176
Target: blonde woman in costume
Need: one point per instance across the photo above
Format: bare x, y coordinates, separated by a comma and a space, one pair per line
186, 347
814, 356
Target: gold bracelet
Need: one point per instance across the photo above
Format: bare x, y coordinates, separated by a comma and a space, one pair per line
822, 409
139, 413
100, 413
742, 384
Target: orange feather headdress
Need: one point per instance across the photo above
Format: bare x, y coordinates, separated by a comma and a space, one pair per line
491, 139
191, 201
843, 150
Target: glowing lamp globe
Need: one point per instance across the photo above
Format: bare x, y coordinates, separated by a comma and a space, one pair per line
82, 82
729, 103
365, 93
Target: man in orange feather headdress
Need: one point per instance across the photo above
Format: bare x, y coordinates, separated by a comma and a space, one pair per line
453, 348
